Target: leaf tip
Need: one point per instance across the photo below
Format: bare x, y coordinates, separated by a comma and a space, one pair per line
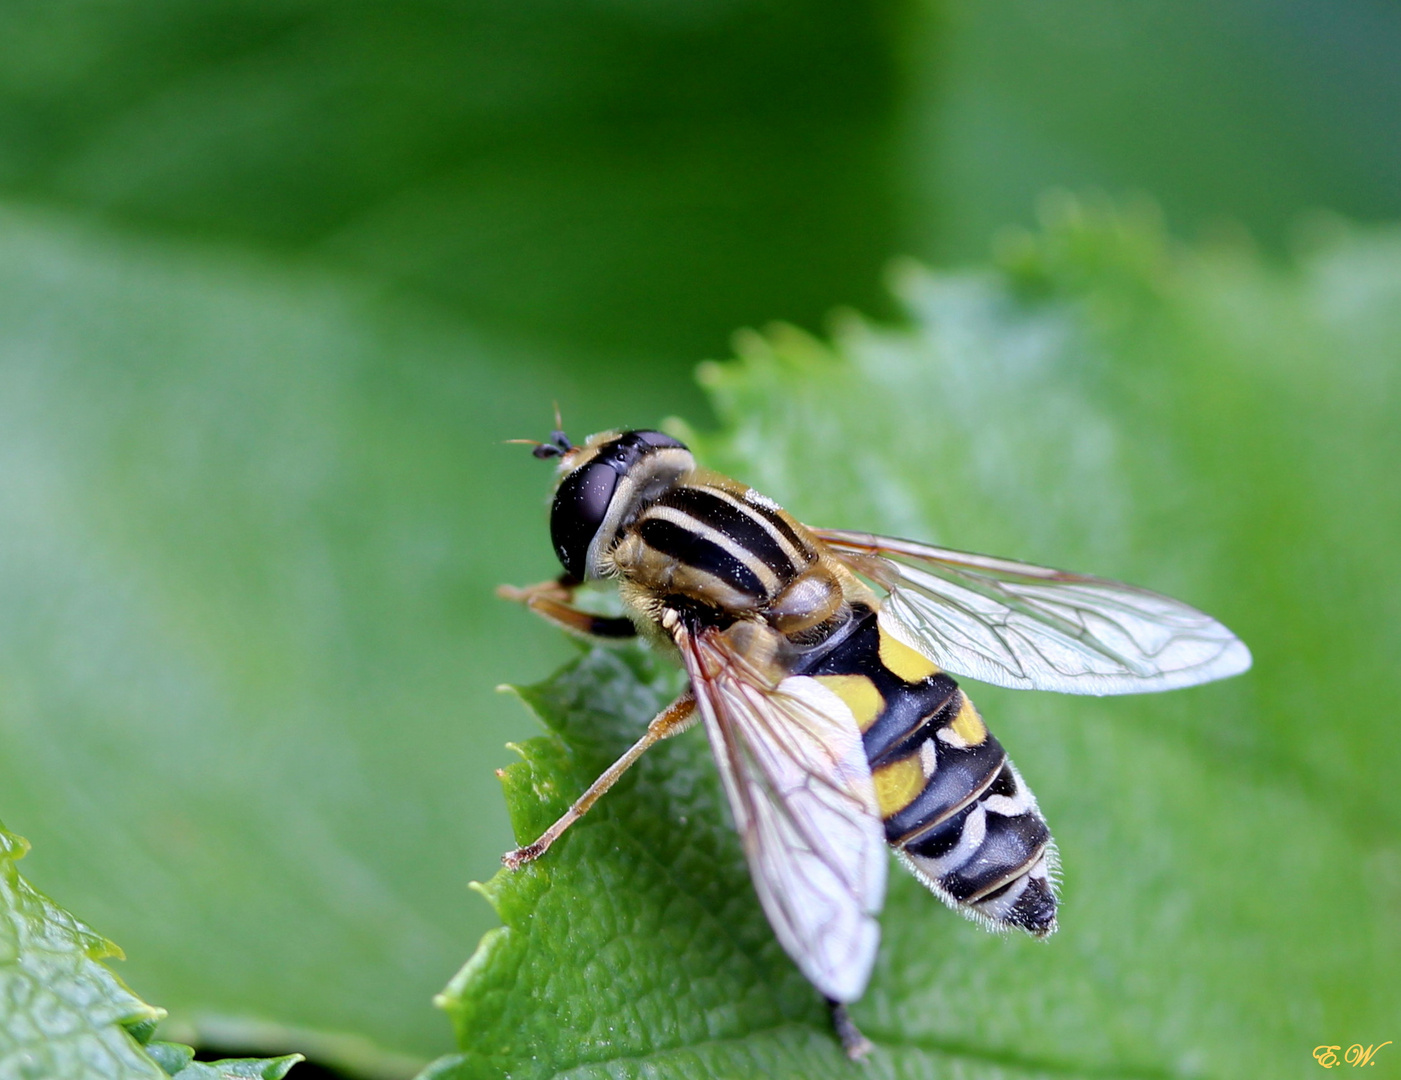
455, 998
678, 428
12, 846
710, 374
279, 1067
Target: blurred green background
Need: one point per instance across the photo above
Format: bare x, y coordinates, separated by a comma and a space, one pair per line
278, 276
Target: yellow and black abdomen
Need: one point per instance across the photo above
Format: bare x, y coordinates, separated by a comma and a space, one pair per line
955, 809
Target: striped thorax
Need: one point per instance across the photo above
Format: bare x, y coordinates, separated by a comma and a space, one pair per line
724, 552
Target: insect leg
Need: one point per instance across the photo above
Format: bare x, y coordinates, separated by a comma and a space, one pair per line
672, 720
552, 600
856, 1045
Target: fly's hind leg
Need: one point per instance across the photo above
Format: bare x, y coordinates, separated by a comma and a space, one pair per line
672, 720
554, 600
856, 1045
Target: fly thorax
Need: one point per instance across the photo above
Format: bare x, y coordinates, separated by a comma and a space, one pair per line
677, 582
709, 542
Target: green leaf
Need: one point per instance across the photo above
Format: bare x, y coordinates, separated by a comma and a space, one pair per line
254, 500
65, 1016
252, 518
636, 937
62, 1013
178, 1061
1194, 420
1229, 115
238, 1069
638, 177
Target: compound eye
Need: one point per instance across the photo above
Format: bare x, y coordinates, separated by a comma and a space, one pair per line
581, 504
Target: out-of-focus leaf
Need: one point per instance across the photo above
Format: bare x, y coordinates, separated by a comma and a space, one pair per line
1196, 421
1227, 111
639, 176
251, 519
65, 1016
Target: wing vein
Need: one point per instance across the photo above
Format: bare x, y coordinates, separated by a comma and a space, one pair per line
1031, 627
794, 769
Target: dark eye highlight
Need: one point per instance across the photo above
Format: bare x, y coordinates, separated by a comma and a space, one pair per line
657, 438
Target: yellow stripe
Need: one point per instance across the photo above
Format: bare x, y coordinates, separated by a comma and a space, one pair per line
898, 784
860, 695
903, 661
968, 725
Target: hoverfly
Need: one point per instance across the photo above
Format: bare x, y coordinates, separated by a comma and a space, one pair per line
821, 663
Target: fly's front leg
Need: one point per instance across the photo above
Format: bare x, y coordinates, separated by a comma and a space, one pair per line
554, 600
672, 720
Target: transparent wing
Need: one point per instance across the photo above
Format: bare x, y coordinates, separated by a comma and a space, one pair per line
800, 788
1030, 627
